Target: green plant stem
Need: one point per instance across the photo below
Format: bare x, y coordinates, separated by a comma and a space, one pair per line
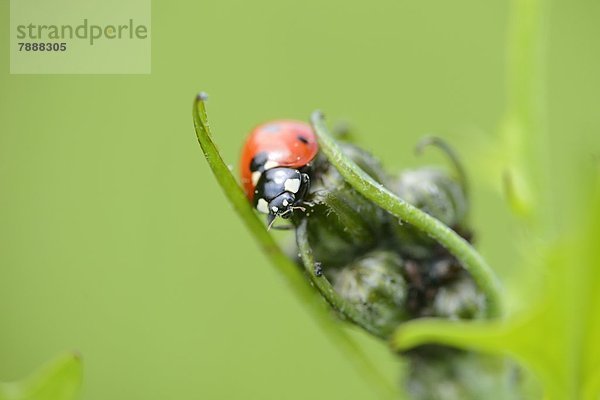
290, 271
525, 72
522, 128
376, 192
321, 282
441, 144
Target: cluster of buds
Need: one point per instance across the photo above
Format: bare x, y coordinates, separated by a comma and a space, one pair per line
390, 272
386, 268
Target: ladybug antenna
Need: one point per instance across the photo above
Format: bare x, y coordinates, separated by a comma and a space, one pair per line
270, 221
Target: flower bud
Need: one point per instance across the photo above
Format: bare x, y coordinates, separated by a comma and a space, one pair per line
433, 191
436, 372
459, 300
375, 286
440, 287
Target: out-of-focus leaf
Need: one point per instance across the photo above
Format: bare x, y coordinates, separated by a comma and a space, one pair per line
591, 330
558, 338
514, 160
58, 380
557, 335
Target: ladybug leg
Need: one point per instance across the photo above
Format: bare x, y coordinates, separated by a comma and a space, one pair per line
304, 186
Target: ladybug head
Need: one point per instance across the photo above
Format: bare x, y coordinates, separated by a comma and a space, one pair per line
279, 191
282, 205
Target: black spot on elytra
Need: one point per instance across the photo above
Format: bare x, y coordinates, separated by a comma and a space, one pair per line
302, 139
258, 162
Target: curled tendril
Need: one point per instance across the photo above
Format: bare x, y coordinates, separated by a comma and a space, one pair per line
455, 160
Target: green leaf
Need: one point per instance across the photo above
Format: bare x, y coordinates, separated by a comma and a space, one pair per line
58, 380
289, 271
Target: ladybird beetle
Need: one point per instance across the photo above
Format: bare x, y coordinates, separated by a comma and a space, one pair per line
275, 166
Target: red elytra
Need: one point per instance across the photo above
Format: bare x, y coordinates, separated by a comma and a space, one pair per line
287, 143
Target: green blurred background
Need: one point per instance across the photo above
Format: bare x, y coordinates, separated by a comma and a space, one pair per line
116, 241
